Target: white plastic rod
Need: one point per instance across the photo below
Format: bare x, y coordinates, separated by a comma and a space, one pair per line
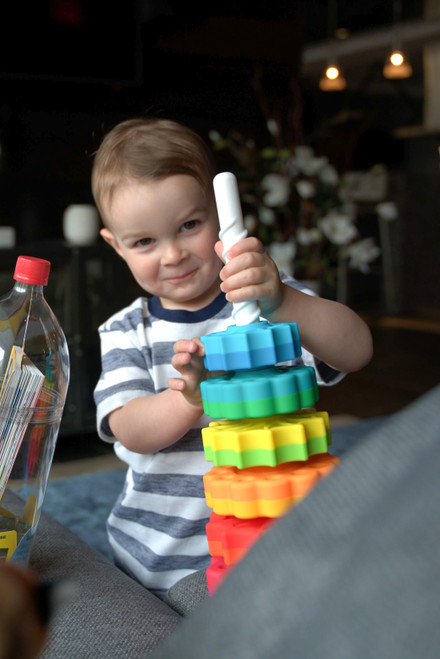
231, 231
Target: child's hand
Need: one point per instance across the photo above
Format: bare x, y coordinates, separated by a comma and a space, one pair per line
250, 274
188, 360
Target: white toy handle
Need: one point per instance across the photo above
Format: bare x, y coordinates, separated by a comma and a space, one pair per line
231, 231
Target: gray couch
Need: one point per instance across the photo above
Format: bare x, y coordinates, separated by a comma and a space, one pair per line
108, 615
351, 572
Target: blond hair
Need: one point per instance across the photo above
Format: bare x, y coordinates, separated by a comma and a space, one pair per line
145, 149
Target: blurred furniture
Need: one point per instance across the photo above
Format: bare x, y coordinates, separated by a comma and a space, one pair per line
383, 272
367, 189
108, 614
338, 563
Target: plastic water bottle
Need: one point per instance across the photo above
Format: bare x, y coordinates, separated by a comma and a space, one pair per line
34, 377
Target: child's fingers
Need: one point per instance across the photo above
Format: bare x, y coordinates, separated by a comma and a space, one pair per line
180, 360
200, 351
244, 278
243, 263
218, 247
249, 244
176, 384
243, 294
185, 345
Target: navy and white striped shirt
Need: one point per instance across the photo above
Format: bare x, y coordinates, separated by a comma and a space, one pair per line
157, 527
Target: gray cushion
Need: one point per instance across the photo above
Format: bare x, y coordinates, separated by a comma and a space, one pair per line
188, 593
110, 615
352, 572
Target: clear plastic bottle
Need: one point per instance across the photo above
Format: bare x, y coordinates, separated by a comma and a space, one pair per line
34, 377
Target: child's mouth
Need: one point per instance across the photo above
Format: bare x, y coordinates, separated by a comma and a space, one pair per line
180, 278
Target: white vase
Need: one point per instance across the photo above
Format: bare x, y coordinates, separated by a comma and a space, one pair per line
7, 237
80, 224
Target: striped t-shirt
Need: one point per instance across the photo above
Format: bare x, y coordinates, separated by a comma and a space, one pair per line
157, 527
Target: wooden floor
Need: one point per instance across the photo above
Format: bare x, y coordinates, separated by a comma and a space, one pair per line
406, 364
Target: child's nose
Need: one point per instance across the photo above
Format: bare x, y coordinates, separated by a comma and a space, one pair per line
171, 253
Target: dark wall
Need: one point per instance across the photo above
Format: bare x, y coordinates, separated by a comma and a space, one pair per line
49, 129
421, 213
48, 132
55, 107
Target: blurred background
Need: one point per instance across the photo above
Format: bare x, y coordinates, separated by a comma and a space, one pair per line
360, 153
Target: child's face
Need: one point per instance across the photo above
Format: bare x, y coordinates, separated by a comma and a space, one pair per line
166, 231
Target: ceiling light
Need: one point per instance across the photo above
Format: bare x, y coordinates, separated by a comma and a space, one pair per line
397, 67
332, 79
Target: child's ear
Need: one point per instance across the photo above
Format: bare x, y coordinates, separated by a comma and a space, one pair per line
109, 238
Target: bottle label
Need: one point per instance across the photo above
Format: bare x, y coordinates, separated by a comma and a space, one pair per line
8, 544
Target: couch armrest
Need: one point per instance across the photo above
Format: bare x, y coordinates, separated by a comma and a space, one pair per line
111, 615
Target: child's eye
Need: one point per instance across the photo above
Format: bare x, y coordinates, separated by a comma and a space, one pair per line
144, 242
190, 224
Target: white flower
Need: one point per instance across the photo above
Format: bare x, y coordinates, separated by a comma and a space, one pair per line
278, 190
308, 236
291, 168
272, 127
305, 160
266, 216
303, 153
362, 253
214, 136
250, 223
283, 255
329, 176
306, 189
387, 210
338, 227
350, 209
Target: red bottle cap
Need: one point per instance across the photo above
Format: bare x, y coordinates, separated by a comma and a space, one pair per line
32, 270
